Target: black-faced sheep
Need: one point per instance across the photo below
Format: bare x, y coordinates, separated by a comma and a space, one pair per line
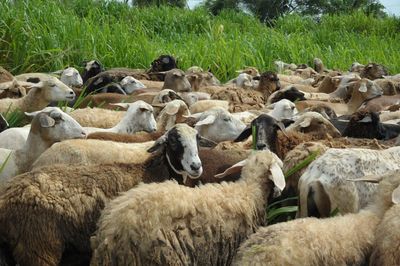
201, 226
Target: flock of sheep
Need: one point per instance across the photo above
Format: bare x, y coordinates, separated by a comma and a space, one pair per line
171, 167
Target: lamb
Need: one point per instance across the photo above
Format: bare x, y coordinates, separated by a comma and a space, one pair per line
48, 127
323, 187
218, 125
386, 249
63, 203
48, 89
342, 240
138, 117
205, 228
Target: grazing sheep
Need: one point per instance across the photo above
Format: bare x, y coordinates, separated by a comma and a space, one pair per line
218, 125
374, 71
194, 227
48, 126
387, 238
52, 212
342, 240
46, 90
138, 117
323, 187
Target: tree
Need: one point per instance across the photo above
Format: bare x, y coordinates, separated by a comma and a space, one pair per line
216, 6
177, 3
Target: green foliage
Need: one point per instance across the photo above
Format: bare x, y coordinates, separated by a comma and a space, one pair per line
44, 36
15, 118
176, 3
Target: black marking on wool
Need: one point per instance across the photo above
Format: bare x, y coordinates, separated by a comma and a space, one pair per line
33, 80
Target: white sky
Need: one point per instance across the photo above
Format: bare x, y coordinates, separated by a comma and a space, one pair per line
392, 6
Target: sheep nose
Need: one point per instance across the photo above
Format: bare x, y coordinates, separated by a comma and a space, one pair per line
195, 167
261, 146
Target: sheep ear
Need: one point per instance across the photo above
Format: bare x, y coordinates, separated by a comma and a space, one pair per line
367, 178
244, 135
306, 122
277, 176
143, 107
31, 114
161, 105
204, 142
123, 105
396, 195
207, 121
159, 144
232, 170
69, 74
172, 109
46, 121
36, 85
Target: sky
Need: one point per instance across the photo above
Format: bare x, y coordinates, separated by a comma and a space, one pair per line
392, 6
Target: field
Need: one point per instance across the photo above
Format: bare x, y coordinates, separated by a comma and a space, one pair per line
46, 35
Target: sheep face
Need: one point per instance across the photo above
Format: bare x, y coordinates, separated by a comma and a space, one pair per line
181, 147
269, 82
252, 71
172, 114
314, 123
357, 67
163, 63
284, 109
91, 69
244, 81
71, 77
364, 124
363, 89
374, 71
202, 79
54, 90
142, 113
130, 84
266, 128
53, 125
218, 125
166, 96
176, 80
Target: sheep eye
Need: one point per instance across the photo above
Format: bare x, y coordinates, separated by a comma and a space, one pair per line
227, 119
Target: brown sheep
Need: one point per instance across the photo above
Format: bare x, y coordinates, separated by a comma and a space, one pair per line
374, 71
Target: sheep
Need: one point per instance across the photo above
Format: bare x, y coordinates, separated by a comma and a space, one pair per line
48, 127
290, 93
244, 81
163, 63
40, 95
267, 135
127, 85
13, 89
91, 69
374, 71
356, 67
70, 76
202, 106
196, 226
282, 66
283, 109
97, 117
59, 205
322, 186
378, 104
386, 248
176, 80
173, 113
14, 138
191, 98
138, 117
218, 125
364, 124
325, 111
389, 87
342, 240
201, 79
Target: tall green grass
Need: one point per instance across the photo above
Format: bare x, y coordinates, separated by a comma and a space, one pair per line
46, 35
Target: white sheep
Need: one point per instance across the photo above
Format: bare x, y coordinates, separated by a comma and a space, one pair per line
324, 187
71, 77
283, 109
218, 125
48, 89
341, 240
129, 84
50, 126
166, 223
138, 117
